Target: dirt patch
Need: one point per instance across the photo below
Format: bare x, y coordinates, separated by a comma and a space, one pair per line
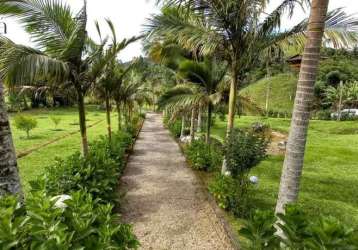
276, 139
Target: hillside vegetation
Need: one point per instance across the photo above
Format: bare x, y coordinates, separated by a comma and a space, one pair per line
282, 90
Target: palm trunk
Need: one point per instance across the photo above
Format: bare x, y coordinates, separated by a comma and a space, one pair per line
192, 125
108, 114
82, 119
198, 129
231, 114
118, 106
293, 164
9, 174
182, 127
208, 129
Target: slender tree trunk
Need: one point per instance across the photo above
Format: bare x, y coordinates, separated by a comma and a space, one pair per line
182, 126
231, 114
192, 125
208, 129
108, 114
339, 117
118, 106
293, 164
198, 129
9, 174
82, 120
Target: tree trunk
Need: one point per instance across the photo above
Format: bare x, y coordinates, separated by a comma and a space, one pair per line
182, 126
339, 117
82, 120
9, 174
118, 106
231, 114
108, 114
198, 129
192, 125
293, 164
208, 129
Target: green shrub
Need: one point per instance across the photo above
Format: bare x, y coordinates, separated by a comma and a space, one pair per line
56, 120
25, 123
298, 231
244, 150
223, 188
323, 115
174, 127
79, 223
98, 173
203, 156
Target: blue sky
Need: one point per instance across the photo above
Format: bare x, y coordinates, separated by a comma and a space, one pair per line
129, 16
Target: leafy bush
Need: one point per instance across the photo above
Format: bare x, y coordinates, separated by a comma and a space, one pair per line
244, 150
80, 223
56, 120
174, 127
98, 173
298, 231
203, 156
223, 188
25, 123
323, 115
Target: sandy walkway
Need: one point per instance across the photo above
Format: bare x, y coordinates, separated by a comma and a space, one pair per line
164, 200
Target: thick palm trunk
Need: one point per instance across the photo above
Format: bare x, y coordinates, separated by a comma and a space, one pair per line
108, 114
208, 129
192, 125
198, 129
292, 167
231, 114
9, 175
82, 120
182, 127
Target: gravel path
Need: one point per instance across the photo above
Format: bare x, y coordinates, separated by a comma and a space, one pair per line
164, 200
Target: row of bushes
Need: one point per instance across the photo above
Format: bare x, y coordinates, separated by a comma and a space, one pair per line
296, 230
71, 205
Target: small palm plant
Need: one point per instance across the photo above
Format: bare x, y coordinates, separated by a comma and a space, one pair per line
55, 120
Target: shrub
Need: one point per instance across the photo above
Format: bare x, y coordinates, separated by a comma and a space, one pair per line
174, 127
25, 123
223, 188
82, 223
98, 173
323, 115
56, 120
298, 231
203, 156
244, 150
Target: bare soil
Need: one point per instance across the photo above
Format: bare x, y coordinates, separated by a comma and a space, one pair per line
164, 199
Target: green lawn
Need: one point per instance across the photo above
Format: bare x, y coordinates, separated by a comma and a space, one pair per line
282, 93
33, 164
330, 176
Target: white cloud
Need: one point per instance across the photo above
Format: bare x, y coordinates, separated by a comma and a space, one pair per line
129, 16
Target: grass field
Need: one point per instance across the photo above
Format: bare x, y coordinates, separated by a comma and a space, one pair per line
330, 176
33, 164
282, 92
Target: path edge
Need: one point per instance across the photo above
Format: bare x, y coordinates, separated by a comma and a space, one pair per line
220, 215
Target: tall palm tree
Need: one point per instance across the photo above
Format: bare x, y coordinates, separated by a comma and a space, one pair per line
239, 31
292, 167
63, 52
106, 81
9, 175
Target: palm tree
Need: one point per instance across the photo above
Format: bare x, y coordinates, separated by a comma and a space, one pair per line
9, 175
106, 82
64, 52
238, 31
292, 167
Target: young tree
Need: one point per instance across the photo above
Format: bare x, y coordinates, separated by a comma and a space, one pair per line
9, 174
293, 164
